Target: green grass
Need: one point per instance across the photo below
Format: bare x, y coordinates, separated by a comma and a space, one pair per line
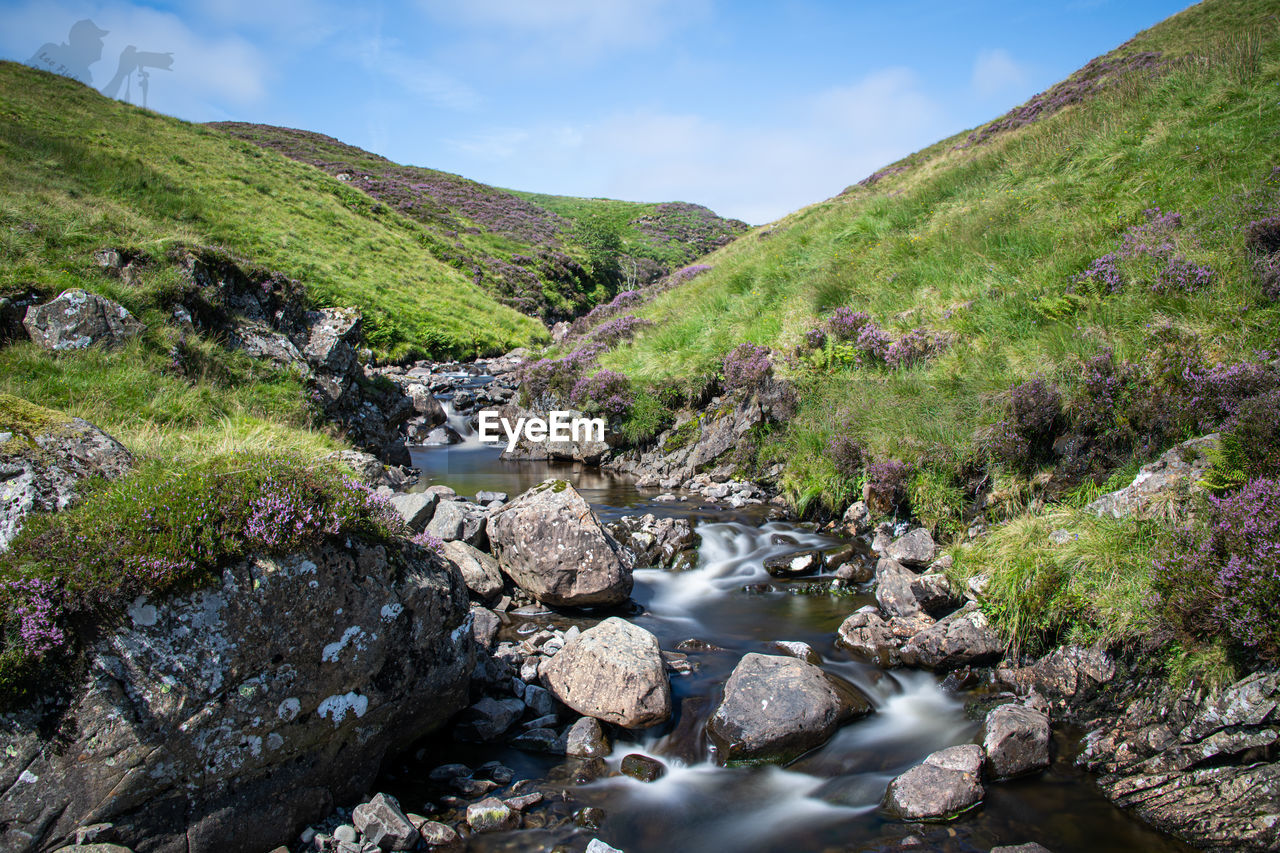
79, 172
984, 242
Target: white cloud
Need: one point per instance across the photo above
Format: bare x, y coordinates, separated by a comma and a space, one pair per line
789, 155
388, 58
995, 71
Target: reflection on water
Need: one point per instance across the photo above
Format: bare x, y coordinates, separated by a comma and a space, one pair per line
826, 800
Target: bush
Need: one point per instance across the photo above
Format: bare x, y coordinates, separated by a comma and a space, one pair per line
746, 367
1033, 416
550, 380
913, 348
848, 456
815, 338
1222, 577
844, 324
605, 391
887, 481
1250, 444
937, 502
646, 418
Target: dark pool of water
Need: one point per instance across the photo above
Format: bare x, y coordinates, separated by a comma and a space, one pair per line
828, 799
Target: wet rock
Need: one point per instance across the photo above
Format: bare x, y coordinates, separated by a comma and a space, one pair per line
1021, 848
595, 845
276, 724
856, 570
946, 784
643, 768
485, 625
436, 835
893, 589
492, 815
795, 649
906, 627
589, 817
449, 772
613, 672
415, 508
382, 822
868, 636
776, 708
480, 572
857, 518
656, 542
1016, 740
524, 801
834, 558
693, 644
1164, 484
44, 456
586, 739
552, 545
917, 548
794, 565
77, 319
963, 638
488, 719
935, 593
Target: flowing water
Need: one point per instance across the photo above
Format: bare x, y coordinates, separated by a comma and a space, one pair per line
826, 800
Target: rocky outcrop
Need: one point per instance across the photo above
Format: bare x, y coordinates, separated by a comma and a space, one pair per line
1163, 487
945, 784
776, 708
43, 457
77, 319
963, 638
226, 718
613, 672
550, 543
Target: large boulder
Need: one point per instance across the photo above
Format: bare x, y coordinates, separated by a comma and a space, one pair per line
613, 672
893, 588
77, 319
944, 785
1016, 740
43, 457
868, 636
453, 521
1163, 485
479, 570
914, 549
551, 544
776, 708
965, 637
230, 717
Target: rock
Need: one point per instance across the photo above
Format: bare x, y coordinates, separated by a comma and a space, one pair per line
595, 845
866, 635
587, 739
453, 521
539, 740
946, 784
796, 649
492, 815
1020, 848
333, 335
1162, 486
963, 638
95, 848
490, 497
488, 719
935, 594
551, 544
857, 518
480, 572
485, 625
776, 708
371, 471
44, 455
794, 565
856, 570
380, 821
346, 833
893, 588
653, 541
1016, 741
613, 672
416, 508
280, 688
1073, 672
539, 700
436, 835
78, 319
917, 548
643, 768
524, 801
426, 405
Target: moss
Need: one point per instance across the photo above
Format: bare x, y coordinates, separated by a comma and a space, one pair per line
21, 417
684, 435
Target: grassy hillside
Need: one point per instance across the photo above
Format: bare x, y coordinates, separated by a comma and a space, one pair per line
549, 256
1011, 321
79, 171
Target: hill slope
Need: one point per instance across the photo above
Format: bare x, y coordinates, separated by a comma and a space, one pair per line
550, 256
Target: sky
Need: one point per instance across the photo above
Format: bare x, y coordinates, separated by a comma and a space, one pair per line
754, 109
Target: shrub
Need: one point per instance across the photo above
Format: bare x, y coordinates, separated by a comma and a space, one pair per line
617, 330
605, 391
1250, 444
887, 481
913, 348
844, 324
847, 454
689, 273
815, 338
937, 502
1262, 236
746, 367
1222, 577
549, 380
1033, 415
646, 418
872, 344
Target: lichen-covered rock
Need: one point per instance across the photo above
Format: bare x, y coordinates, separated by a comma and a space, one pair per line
77, 319
552, 545
794, 565
1162, 486
776, 708
416, 508
915, 549
479, 570
1016, 740
893, 588
944, 785
371, 471
868, 636
658, 542
965, 637
230, 717
613, 672
43, 457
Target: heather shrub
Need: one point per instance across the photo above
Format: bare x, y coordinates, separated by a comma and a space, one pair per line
887, 481
1222, 577
152, 532
815, 338
617, 330
1262, 236
847, 454
1148, 252
844, 324
914, 347
1266, 270
1033, 416
746, 367
604, 391
1250, 444
689, 273
549, 380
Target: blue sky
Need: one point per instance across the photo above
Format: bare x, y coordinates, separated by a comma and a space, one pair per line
752, 108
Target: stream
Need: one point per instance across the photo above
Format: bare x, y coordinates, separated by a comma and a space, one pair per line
826, 800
